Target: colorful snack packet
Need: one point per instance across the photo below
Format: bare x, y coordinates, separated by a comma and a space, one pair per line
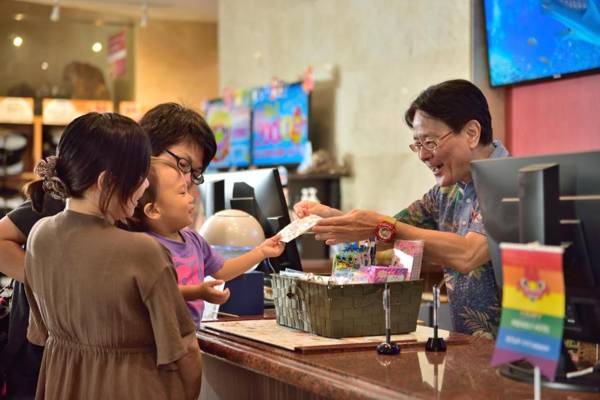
380, 274
409, 254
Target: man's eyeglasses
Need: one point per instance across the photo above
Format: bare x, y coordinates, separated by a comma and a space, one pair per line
185, 166
429, 144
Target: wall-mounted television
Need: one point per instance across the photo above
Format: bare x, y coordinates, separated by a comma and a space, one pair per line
231, 124
280, 125
537, 39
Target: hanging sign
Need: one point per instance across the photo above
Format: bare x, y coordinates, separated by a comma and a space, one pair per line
117, 55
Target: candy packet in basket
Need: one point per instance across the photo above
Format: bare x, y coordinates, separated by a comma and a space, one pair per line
351, 258
409, 254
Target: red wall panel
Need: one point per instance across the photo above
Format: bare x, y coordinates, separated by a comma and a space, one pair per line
554, 117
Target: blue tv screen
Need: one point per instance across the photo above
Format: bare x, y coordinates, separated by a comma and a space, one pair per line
536, 39
280, 125
231, 125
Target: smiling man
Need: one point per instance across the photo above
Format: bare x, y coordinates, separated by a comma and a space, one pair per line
451, 126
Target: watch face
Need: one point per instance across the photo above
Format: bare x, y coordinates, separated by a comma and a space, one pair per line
385, 233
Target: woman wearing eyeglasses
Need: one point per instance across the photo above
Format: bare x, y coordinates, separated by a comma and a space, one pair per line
451, 126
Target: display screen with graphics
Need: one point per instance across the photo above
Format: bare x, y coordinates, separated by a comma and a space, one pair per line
279, 125
231, 125
535, 39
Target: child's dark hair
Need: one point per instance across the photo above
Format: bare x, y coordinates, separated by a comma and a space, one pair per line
138, 222
90, 145
168, 124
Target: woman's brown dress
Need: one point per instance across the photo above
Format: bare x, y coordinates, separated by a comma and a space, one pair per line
106, 307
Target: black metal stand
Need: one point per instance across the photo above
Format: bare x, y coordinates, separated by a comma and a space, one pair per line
388, 347
435, 343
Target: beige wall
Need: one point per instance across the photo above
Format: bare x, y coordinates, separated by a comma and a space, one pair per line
176, 61
384, 52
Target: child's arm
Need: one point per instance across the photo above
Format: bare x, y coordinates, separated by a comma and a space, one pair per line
205, 291
233, 267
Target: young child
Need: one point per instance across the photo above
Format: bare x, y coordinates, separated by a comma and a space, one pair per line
104, 301
164, 211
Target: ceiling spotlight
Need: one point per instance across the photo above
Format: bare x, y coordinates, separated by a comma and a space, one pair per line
44, 66
19, 17
144, 17
55, 14
97, 47
17, 41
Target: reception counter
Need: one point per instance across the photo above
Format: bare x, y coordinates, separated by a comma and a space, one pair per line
238, 368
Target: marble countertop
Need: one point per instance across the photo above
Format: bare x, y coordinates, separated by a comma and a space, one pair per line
462, 372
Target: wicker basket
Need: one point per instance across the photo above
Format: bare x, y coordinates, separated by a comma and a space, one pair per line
345, 310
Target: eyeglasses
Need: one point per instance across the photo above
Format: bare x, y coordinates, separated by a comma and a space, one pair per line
185, 166
429, 144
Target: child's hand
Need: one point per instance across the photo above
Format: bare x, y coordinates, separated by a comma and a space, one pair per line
272, 247
212, 295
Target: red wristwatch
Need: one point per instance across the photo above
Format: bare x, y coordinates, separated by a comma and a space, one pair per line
385, 231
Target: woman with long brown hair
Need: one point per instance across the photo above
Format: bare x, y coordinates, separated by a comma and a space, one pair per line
104, 301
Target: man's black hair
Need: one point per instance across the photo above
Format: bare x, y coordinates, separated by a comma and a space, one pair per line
454, 102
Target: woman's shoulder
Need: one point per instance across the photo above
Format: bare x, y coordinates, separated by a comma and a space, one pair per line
44, 232
139, 257
141, 242
141, 250
46, 226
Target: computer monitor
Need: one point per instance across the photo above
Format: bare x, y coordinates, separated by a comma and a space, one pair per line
551, 199
260, 194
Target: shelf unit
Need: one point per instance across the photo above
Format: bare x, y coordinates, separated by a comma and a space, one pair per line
17, 117
58, 113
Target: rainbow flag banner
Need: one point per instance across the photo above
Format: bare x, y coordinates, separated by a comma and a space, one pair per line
533, 306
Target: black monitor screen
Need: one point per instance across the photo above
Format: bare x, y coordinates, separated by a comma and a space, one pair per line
260, 194
497, 185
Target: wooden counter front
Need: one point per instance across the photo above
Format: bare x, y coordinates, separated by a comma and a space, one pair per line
237, 368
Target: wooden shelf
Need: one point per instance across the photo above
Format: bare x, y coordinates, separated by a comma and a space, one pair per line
18, 114
37, 139
60, 112
16, 110
17, 181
